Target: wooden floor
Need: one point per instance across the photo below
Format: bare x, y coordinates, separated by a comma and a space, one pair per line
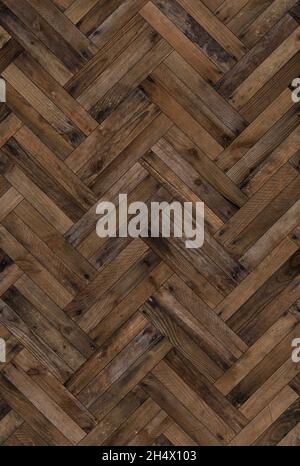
142, 341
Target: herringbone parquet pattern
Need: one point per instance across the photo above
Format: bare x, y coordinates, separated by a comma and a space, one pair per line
141, 341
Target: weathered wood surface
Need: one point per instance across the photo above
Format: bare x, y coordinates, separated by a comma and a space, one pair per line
144, 342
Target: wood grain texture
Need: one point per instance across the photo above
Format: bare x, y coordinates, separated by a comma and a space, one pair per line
122, 341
